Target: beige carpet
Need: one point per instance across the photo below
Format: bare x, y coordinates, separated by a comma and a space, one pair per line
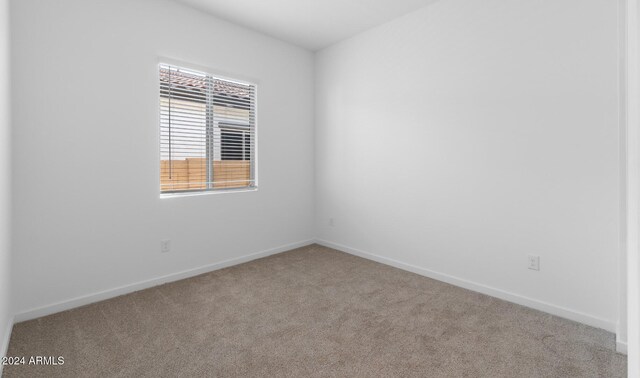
312, 312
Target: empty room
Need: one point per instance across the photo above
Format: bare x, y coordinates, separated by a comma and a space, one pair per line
307, 188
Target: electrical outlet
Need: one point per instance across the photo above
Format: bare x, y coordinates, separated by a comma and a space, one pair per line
331, 222
165, 246
534, 262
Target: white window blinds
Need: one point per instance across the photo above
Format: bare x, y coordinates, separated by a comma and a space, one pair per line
207, 132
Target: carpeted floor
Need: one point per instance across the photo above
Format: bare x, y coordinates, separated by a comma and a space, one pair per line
312, 312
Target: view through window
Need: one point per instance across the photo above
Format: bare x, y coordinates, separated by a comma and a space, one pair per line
207, 132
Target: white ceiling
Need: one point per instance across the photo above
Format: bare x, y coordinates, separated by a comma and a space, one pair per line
313, 24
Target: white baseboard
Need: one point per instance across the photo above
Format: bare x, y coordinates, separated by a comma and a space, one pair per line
494, 292
4, 347
106, 294
621, 346
484, 289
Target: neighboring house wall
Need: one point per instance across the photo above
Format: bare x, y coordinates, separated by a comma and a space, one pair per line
6, 315
509, 112
88, 216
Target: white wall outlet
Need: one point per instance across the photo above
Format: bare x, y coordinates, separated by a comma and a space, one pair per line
331, 222
165, 246
533, 262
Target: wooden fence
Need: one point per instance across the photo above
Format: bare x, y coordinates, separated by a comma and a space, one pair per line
191, 174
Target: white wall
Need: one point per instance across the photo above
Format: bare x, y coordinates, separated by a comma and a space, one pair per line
6, 315
462, 137
621, 329
88, 216
633, 187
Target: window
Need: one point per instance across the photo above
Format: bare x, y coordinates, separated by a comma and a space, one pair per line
207, 132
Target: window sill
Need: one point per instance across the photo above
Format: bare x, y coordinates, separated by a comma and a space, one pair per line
207, 192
